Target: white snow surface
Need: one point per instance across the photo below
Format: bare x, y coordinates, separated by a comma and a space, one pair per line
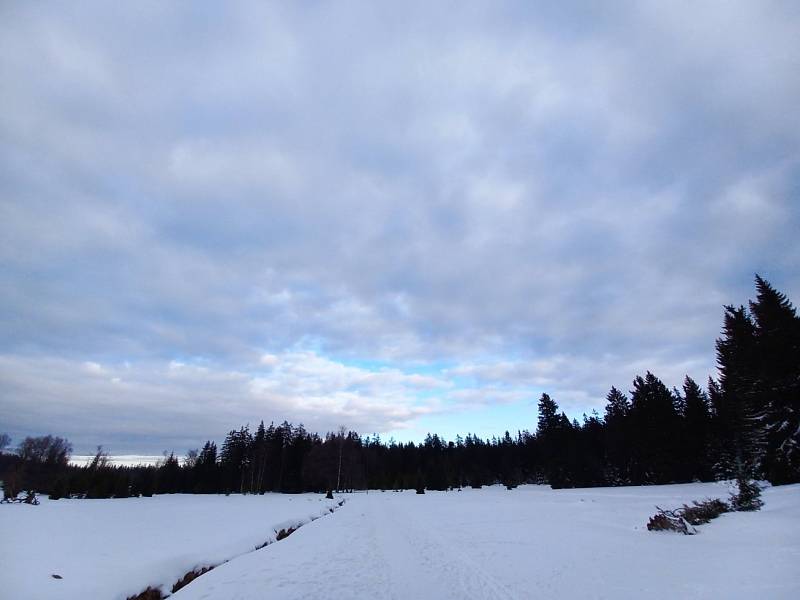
110, 549
532, 542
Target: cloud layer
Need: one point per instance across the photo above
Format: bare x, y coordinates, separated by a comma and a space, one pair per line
503, 198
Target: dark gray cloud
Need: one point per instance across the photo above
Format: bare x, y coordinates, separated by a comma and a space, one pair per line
455, 189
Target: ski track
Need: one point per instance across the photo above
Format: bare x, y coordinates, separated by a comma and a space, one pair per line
528, 543
421, 564
377, 546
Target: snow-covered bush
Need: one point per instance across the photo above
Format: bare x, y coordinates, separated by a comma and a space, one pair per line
701, 513
748, 496
670, 520
684, 519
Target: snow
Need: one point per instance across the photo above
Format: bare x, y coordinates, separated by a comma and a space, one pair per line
111, 549
121, 460
532, 542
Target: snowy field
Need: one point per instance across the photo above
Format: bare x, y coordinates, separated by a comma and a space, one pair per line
532, 542
110, 549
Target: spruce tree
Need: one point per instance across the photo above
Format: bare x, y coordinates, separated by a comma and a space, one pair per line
737, 361
260, 457
655, 432
59, 489
617, 437
777, 381
552, 435
548, 415
723, 442
206, 471
122, 485
698, 430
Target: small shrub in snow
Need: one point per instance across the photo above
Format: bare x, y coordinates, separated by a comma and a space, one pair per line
684, 519
190, 577
701, 513
670, 520
748, 496
148, 594
284, 533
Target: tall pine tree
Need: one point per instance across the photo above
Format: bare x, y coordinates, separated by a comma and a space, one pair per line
697, 419
777, 381
617, 437
737, 359
655, 432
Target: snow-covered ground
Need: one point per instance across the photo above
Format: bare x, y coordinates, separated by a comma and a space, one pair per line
110, 549
531, 542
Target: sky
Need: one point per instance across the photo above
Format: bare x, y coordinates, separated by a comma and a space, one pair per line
393, 217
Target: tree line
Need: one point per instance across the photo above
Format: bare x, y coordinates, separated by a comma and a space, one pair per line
745, 423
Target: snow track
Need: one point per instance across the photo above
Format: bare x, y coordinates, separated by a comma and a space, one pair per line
421, 563
532, 542
377, 547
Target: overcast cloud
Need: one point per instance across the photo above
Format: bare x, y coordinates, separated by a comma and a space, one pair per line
384, 217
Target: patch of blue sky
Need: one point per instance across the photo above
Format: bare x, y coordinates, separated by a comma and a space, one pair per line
485, 422
415, 368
